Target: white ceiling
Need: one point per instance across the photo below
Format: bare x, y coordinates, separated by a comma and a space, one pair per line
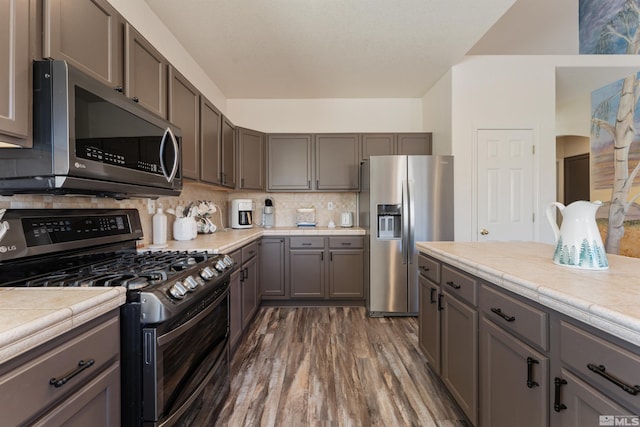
328, 48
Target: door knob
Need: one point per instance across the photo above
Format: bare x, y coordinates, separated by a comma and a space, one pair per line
484, 231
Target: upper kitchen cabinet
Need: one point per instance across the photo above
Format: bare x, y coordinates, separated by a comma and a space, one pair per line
337, 162
289, 162
414, 143
15, 73
184, 112
210, 139
250, 159
87, 34
227, 155
377, 144
145, 73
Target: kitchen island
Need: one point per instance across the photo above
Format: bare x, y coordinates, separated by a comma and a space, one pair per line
519, 340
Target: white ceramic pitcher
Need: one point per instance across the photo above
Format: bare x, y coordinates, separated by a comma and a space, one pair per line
578, 241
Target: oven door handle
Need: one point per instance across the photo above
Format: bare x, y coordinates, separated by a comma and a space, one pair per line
170, 336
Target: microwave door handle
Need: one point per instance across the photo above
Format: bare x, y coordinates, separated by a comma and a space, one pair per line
174, 169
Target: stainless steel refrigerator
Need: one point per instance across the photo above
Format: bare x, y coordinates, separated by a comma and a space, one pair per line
403, 200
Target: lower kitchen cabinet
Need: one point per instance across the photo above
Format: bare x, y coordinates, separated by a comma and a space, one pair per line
235, 307
307, 273
244, 291
514, 380
86, 366
429, 321
346, 274
459, 346
272, 268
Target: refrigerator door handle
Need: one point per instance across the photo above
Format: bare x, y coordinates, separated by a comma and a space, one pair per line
411, 235
405, 221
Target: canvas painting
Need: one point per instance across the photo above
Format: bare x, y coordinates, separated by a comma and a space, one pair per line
615, 164
608, 26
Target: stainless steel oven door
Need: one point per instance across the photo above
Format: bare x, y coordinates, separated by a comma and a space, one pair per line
185, 364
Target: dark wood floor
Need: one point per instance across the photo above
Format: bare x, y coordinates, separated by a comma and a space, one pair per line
334, 366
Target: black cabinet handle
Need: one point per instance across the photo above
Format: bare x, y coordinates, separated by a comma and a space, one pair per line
453, 285
242, 182
530, 382
306, 244
432, 293
501, 314
82, 365
440, 307
135, 99
423, 268
601, 370
557, 405
119, 89
346, 243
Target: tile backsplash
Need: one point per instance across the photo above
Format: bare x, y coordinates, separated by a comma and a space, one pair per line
285, 204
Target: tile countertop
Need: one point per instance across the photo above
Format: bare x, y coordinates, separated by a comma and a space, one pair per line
230, 240
31, 316
605, 299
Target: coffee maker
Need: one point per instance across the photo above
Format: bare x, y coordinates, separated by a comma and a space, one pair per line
268, 214
241, 213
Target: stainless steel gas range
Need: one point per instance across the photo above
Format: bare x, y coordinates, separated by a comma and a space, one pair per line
174, 325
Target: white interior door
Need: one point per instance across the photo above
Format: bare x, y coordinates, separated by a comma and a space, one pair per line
505, 190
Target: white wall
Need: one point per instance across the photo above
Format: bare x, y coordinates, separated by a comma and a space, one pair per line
495, 92
436, 114
327, 115
574, 117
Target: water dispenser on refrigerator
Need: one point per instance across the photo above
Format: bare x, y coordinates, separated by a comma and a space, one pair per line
389, 222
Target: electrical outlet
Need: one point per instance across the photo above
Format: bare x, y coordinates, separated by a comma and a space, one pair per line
151, 206
330, 206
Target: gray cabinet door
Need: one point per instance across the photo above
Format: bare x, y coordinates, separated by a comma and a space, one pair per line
210, 139
249, 291
460, 354
272, 270
507, 397
227, 155
346, 274
583, 405
306, 273
429, 323
15, 73
87, 34
377, 144
235, 309
289, 166
184, 112
251, 159
145, 73
337, 162
414, 143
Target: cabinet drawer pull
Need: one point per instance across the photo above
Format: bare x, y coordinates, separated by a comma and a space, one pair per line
423, 268
601, 370
530, 382
252, 252
557, 405
453, 285
346, 243
82, 365
306, 244
432, 293
501, 314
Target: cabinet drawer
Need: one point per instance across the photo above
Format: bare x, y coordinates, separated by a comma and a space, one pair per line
346, 242
605, 365
249, 251
237, 257
301, 242
26, 390
429, 268
459, 284
529, 322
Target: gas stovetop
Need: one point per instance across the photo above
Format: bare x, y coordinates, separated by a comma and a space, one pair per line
83, 248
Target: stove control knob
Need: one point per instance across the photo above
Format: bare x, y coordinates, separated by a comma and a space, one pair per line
228, 260
221, 266
191, 284
208, 273
177, 291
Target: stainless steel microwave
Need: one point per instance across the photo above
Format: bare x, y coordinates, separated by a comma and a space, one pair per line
90, 139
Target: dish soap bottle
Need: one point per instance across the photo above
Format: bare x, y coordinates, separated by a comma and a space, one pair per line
159, 228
